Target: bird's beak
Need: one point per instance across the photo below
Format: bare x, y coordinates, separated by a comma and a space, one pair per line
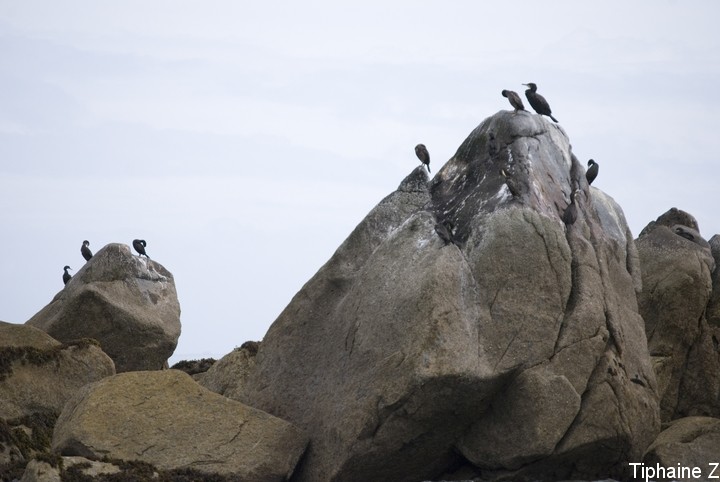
526, 85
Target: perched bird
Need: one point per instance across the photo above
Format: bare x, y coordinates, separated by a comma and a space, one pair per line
570, 214
139, 245
445, 231
511, 183
423, 154
537, 101
592, 172
66, 275
85, 250
514, 99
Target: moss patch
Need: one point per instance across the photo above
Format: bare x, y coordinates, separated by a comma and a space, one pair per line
35, 356
137, 471
31, 435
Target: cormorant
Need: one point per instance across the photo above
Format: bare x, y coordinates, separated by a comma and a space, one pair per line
592, 171
139, 245
66, 275
537, 101
423, 154
85, 251
684, 233
510, 182
514, 99
570, 214
445, 231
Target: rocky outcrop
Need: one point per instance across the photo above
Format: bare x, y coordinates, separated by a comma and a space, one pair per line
713, 308
39, 374
677, 270
127, 303
406, 356
166, 419
228, 375
692, 442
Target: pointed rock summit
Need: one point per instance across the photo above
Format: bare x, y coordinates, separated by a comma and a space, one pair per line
127, 303
515, 352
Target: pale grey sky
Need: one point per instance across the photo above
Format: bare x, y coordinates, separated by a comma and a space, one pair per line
245, 140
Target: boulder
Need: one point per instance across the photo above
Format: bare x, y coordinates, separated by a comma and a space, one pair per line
688, 442
677, 269
41, 471
127, 303
409, 353
39, 374
227, 375
166, 419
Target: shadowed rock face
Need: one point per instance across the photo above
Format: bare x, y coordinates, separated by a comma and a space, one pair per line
517, 350
127, 303
677, 270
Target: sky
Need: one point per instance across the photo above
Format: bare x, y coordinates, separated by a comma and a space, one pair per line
245, 140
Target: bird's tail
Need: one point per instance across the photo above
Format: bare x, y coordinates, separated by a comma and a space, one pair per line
557, 121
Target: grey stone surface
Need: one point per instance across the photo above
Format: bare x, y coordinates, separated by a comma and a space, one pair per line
228, 374
677, 279
688, 442
402, 351
166, 419
127, 303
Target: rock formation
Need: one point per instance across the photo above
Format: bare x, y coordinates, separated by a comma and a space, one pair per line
515, 351
227, 375
166, 419
39, 374
677, 277
127, 303
688, 442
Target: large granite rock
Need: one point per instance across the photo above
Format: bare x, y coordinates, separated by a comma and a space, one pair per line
39, 374
166, 419
677, 278
404, 356
692, 442
127, 303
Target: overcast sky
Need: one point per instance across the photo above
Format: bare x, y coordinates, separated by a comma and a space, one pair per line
245, 140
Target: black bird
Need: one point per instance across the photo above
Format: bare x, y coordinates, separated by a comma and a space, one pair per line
85, 251
592, 172
445, 231
139, 245
570, 214
514, 99
511, 183
423, 154
537, 101
66, 275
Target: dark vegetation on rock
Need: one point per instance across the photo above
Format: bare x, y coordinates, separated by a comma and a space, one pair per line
24, 438
193, 367
36, 356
